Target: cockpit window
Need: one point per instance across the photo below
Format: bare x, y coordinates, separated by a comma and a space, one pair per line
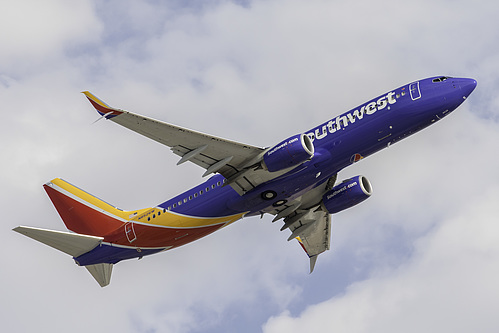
440, 79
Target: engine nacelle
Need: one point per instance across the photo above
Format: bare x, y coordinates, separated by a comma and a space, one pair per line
290, 152
347, 194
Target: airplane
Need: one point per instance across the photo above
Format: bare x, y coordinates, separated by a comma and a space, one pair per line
294, 180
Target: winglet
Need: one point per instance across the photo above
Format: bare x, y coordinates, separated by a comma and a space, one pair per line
104, 110
313, 260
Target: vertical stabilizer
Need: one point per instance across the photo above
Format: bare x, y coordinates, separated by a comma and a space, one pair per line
82, 212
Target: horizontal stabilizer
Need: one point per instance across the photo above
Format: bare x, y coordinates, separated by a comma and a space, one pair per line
101, 273
70, 243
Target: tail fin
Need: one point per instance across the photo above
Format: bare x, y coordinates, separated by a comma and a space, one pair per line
83, 213
72, 244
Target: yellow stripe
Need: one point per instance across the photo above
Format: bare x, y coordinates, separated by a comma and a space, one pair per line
164, 218
95, 99
127, 215
154, 216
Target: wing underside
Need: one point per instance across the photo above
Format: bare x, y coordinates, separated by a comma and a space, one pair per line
239, 163
308, 221
312, 229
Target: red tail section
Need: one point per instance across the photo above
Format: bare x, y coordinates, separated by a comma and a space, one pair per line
81, 212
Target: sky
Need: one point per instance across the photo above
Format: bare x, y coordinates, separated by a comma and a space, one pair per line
421, 254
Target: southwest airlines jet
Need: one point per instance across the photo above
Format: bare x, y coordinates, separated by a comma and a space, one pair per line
294, 180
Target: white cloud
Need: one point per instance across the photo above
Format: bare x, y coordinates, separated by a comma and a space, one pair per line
449, 284
420, 251
37, 32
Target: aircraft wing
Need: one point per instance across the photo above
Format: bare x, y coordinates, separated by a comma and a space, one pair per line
237, 162
317, 238
312, 229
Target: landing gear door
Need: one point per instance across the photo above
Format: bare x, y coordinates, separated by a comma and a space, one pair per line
414, 90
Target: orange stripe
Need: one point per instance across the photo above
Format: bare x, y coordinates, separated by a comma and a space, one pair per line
151, 236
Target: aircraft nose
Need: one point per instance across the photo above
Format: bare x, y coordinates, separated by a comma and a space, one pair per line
467, 86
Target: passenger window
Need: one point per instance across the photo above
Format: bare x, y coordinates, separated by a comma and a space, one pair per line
213, 186
195, 195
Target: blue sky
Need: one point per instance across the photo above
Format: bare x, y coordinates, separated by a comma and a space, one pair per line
420, 255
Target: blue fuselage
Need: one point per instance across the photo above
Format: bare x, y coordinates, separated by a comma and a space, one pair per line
339, 142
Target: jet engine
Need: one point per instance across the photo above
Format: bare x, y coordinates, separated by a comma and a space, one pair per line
289, 153
347, 194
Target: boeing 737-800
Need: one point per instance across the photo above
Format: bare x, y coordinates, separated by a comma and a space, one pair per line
294, 180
